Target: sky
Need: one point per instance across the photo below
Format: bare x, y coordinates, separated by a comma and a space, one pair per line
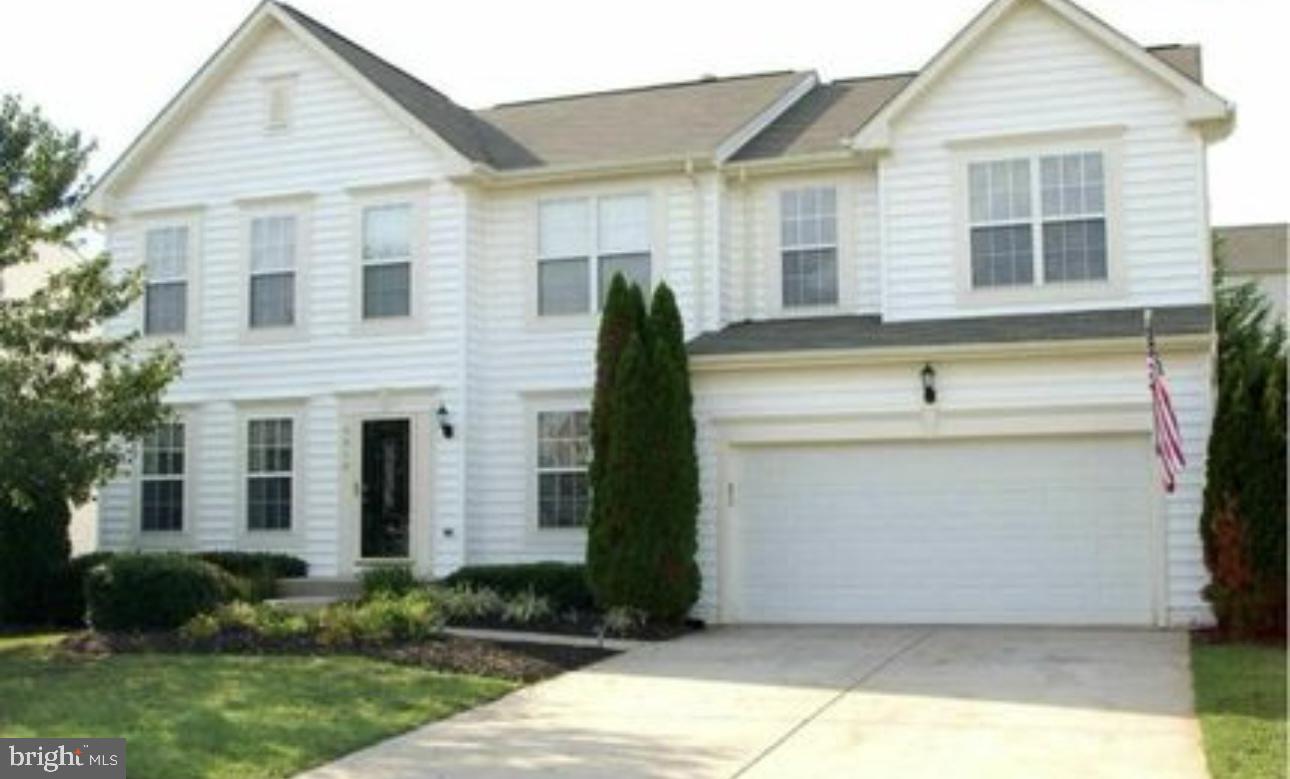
107, 68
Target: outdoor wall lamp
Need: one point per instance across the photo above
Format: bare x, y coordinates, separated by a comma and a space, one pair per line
445, 423
929, 384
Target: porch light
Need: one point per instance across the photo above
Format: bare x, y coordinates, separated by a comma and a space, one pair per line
445, 423
929, 383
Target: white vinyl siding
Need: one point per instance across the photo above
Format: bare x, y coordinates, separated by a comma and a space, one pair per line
809, 246
161, 479
387, 261
272, 301
563, 455
618, 227
166, 294
269, 473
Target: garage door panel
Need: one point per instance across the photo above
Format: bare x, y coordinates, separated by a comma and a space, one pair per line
990, 530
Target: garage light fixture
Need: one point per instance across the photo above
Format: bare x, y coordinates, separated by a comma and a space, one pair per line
929, 384
445, 423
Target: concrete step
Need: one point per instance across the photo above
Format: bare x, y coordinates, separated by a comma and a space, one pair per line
335, 588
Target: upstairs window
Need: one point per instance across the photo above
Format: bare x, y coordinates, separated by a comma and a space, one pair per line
583, 243
161, 479
387, 261
808, 239
269, 474
1038, 220
165, 302
273, 272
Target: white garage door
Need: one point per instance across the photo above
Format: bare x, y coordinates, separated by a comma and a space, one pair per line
1019, 530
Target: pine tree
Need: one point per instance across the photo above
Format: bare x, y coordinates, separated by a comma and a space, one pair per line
72, 398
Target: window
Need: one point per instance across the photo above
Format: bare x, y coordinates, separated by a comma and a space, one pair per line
1038, 220
268, 474
273, 274
583, 243
563, 453
161, 479
808, 239
165, 305
387, 261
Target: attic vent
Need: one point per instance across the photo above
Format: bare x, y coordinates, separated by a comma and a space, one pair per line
278, 93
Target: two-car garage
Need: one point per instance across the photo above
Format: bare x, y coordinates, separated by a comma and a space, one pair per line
1017, 529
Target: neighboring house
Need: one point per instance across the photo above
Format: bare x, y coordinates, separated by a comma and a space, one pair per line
1257, 253
387, 304
18, 281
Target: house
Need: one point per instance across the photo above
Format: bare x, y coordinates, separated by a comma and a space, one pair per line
916, 302
19, 281
1257, 253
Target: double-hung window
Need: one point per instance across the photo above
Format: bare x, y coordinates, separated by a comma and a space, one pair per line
387, 261
583, 243
269, 473
161, 479
165, 306
1037, 220
563, 455
808, 238
273, 271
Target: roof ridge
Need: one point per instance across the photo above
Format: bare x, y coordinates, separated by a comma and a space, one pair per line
701, 81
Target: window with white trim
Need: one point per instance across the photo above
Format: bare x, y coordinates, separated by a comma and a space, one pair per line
272, 293
583, 243
161, 479
563, 456
165, 298
387, 261
1037, 220
808, 240
269, 473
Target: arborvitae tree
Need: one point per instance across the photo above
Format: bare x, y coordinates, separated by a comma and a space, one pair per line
72, 397
623, 316
677, 518
1243, 523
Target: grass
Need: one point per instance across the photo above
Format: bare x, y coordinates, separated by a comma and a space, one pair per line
220, 717
1241, 702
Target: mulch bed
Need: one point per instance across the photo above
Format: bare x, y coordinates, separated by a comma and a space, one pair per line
586, 625
526, 662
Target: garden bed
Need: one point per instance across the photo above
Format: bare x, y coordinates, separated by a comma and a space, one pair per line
526, 662
583, 624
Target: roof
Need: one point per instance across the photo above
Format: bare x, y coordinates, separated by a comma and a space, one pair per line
1260, 248
870, 332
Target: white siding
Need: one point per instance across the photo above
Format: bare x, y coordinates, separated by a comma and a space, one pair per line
1035, 72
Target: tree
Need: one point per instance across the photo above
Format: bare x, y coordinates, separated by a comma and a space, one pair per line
1243, 522
72, 396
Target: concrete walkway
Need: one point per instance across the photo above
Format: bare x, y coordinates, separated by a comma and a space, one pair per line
833, 702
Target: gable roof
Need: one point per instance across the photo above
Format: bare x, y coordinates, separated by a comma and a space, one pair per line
1263, 248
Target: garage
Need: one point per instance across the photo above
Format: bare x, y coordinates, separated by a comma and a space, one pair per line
1037, 530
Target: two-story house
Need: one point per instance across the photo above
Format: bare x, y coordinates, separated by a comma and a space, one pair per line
916, 302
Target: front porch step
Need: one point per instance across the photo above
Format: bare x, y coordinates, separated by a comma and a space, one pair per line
333, 587
302, 603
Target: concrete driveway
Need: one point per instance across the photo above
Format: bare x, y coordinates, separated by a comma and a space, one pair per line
822, 702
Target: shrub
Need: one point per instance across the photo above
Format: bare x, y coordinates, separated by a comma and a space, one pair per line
384, 618
154, 591
34, 551
66, 599
466, 603
527, 607
563, 584
259, 571
387, 580
256, 620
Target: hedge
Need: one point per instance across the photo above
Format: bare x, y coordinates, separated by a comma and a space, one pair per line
154, 591
563, 584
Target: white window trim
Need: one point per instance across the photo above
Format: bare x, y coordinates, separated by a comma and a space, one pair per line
418, 198
299, 206
270, 540
537, 403
847, 246
593, 196
283, 81
1106, 140
167, 539
191, 219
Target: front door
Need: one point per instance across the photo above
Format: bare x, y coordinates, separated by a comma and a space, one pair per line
386, 488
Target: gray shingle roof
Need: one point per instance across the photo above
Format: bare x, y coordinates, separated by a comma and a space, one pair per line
1254, 248
870, 332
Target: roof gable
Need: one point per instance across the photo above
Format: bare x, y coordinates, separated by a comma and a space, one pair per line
1201, 106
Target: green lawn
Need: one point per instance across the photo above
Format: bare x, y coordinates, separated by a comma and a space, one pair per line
223, 716
1241, 701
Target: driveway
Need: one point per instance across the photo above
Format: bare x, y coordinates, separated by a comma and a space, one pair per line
821, 702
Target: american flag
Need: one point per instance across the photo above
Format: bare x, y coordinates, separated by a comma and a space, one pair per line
1168, 437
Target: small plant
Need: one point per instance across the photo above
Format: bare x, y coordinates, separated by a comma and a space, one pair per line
388, 580
256, 620
526, 608
623, 621
564, 584
464, 603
